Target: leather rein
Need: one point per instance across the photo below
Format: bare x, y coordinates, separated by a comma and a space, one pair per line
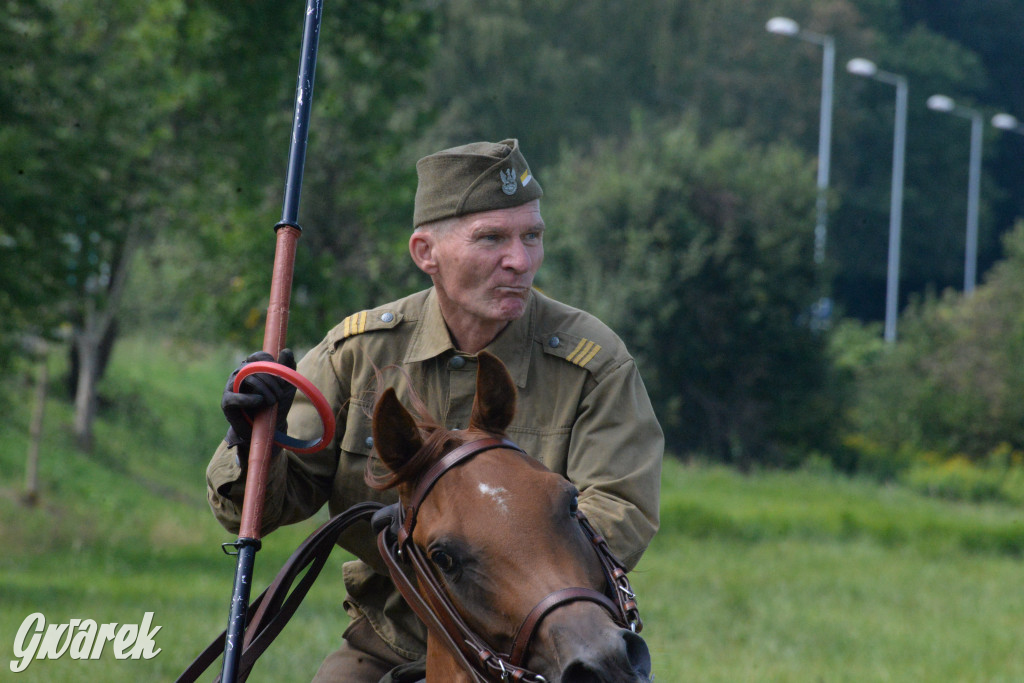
436, 610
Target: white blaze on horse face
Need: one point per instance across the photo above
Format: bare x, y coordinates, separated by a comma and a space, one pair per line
495, 493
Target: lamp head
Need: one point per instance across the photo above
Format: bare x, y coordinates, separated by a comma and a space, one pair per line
1005, 121
940, 103
862, 67
784, 26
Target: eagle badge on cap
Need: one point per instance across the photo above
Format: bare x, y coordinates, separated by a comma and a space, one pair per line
508, 182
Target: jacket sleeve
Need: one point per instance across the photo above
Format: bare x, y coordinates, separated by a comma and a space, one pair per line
615, 459
297, 485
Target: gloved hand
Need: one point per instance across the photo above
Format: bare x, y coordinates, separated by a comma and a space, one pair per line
387, 518
256, 393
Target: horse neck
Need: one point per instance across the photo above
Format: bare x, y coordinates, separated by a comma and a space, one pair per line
442, 667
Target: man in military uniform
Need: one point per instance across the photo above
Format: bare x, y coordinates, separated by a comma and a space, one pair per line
582, 408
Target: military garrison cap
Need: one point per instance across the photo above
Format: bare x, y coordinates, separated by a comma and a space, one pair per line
481, 176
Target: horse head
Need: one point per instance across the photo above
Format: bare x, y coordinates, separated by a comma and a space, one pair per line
511, 580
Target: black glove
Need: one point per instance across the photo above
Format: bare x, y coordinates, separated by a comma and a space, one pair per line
387, 518
412, 672
256, 393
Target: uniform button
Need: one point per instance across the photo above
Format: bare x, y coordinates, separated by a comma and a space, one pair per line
457, 363
369, 442
387, 317
554, 342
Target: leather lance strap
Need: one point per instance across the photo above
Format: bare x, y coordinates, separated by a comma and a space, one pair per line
271, 610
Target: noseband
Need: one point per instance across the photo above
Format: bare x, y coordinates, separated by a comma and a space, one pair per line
436, 610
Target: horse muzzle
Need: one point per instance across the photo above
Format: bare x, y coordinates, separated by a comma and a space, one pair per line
590, 649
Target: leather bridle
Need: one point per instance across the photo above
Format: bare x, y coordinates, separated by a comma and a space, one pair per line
436, 610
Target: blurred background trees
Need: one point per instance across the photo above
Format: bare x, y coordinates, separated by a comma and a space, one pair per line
698, 253
144, 148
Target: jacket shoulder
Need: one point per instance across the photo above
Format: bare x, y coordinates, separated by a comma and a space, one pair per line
578, 338
384, 318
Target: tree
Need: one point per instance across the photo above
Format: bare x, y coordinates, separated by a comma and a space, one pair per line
110, 162
698, 254
31, 253
163, 129
549, 72
90, 130
358, 183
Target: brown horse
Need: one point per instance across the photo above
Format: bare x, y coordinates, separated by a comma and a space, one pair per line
510, 578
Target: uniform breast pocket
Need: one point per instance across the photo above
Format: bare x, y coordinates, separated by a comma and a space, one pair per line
356, 449
549, 446
358, 436
350, 487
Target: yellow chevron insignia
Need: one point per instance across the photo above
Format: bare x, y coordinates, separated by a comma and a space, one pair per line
354, 324
583, 353
365, 321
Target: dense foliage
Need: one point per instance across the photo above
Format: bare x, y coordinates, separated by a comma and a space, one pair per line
699, 254
27, 254
952, 386
142, 139
358, 181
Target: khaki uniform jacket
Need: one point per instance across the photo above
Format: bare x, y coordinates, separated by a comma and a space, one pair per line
582, 410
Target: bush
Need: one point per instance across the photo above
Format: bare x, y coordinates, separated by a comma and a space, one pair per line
955, 479
700, 256
860, 455
951, 384
998, 477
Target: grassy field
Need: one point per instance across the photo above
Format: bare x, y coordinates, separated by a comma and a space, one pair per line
800, 576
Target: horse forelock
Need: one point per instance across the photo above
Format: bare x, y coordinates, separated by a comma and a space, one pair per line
437, 442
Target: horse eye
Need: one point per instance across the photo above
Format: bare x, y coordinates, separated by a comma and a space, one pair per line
443, 560
574, 506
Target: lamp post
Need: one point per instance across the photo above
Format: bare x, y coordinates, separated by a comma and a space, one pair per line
787, 27
868, 69
946, 104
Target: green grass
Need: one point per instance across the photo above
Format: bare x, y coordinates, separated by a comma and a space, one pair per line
800, 576
811, 577
127, 530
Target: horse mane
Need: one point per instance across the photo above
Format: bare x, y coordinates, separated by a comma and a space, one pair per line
437, 440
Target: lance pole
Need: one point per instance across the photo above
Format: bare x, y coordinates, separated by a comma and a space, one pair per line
287, 234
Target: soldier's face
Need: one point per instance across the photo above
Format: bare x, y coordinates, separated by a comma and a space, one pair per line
484, 263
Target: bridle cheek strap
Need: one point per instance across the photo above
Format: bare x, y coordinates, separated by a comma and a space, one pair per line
427, 481
524, 636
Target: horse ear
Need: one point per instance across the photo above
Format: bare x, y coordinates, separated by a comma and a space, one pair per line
495, 401
394, 431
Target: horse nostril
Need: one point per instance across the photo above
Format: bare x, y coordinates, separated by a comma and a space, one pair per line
628, 661
637, 653
579, 672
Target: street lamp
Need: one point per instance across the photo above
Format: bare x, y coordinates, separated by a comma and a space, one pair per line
1008, 122
946, 104
787, 27
868, 69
